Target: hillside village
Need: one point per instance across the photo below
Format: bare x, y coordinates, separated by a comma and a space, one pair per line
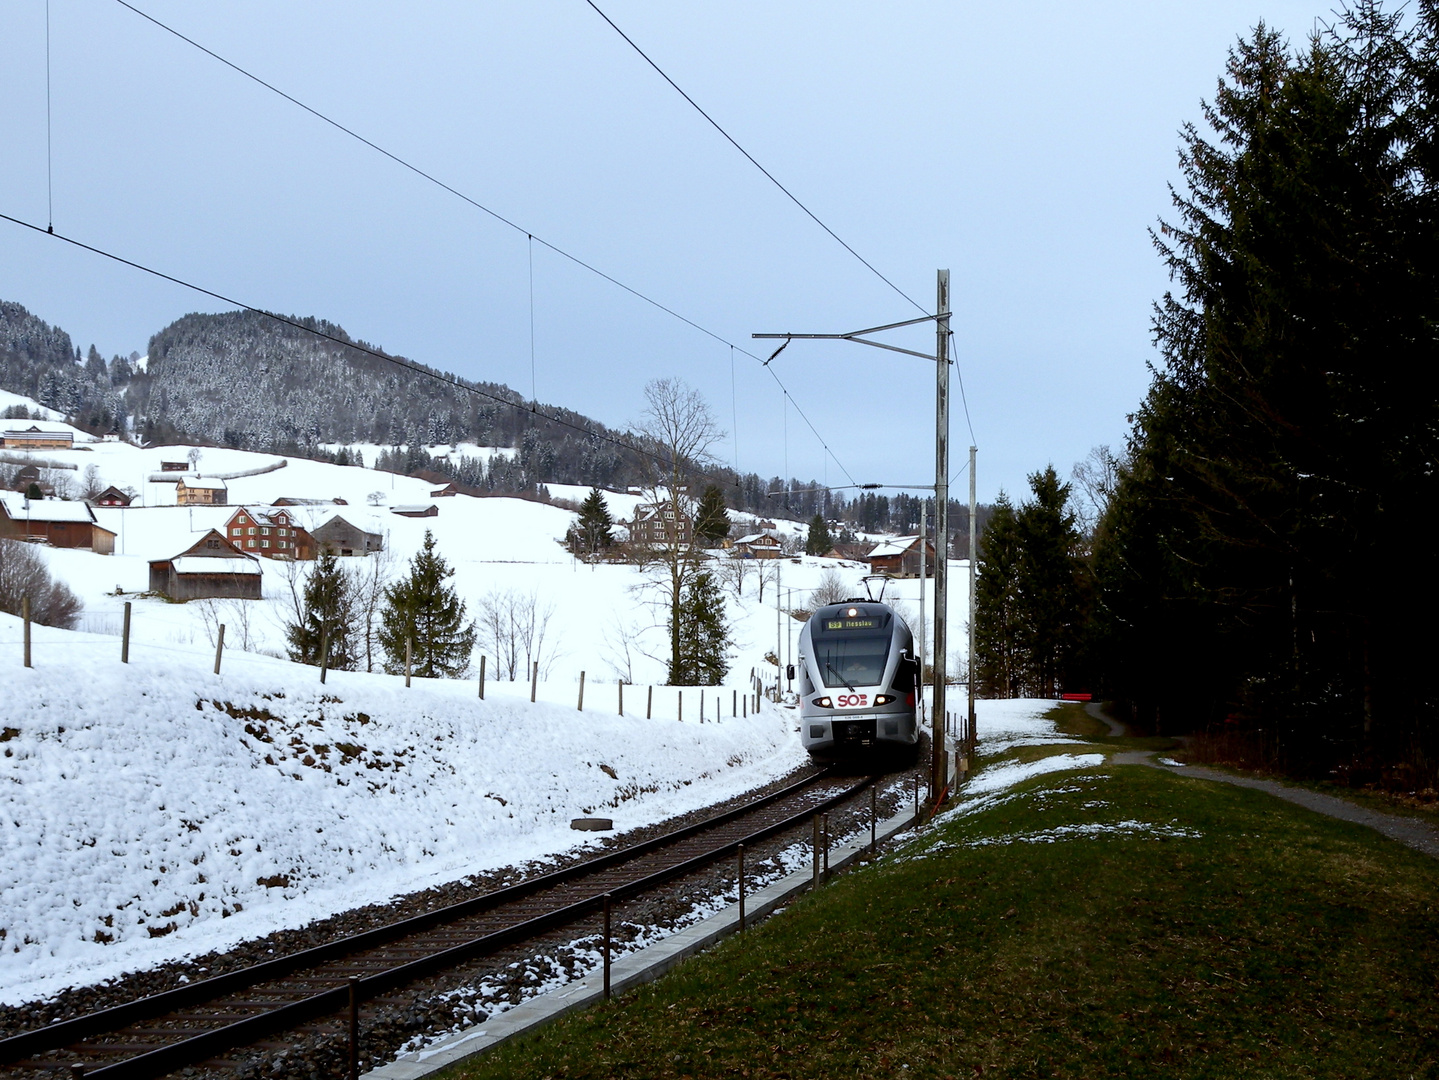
160, 521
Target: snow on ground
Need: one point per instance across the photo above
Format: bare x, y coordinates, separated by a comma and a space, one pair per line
7, 399
160, 799
157, 799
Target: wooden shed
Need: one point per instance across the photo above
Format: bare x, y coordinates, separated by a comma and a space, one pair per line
416, 510
212, 567
55, 522
900, 557
341, 536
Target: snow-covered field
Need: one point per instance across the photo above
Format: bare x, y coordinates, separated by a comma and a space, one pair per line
154, 810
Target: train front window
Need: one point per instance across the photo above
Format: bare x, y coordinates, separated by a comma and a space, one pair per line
852, 660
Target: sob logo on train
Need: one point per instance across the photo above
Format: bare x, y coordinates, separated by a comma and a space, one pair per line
852, 699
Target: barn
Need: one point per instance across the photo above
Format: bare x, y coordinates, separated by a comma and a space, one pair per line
212, 567
335, 533
54, 522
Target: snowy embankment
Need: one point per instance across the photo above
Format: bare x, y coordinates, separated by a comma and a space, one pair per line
155, 810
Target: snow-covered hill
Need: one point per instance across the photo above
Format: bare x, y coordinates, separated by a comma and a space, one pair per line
157, 799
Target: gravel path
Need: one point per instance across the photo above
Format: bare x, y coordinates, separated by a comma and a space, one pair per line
1419, 835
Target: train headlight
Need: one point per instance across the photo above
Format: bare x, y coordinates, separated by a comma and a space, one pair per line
822, 703
884, 699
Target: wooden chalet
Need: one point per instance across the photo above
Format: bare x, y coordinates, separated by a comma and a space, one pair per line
899, 558
271, 533
34, 438
760, 545
201, 491
337, 534
112, 496
174, 466
211, 568
55, 522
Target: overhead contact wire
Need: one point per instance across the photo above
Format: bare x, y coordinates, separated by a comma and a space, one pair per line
751, 159
470, 201
418, 369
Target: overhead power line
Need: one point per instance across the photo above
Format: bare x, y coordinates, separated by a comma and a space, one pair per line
403, 163
418, 369
751, 158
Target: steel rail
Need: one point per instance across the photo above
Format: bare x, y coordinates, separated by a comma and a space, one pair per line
17, 1048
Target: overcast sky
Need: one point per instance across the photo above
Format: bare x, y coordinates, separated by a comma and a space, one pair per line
1025, 146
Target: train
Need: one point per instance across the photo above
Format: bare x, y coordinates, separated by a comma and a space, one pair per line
858, 679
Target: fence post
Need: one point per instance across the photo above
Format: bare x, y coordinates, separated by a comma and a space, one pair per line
581, 706
745, 706
825, 829
354, 1028
814, 847
702, 704
734, 705
680, 706
534, 681
409, 657
741, 888
650, 704
125, 637
324, 651
219, 647
482, 676
607, 946
873, 817
621, 685
25, 615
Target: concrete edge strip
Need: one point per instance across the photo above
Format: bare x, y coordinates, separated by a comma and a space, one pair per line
626, 972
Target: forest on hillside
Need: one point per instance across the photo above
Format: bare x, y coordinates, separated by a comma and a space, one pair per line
296, 386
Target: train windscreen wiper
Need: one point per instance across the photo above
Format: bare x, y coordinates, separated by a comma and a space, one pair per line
840, 677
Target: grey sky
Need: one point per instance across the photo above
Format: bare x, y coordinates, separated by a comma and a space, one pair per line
1025, 146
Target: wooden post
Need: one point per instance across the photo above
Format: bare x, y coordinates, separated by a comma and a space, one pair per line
741, 888
25, 616
581, 706
125, 637
607, 946
482, 676
873, 817
825, 829
650, 704
354, 1028
324, 651
702, 704
814, 847
916, 798
219, 647
746, 706
621, 685
409, 657
680, 706
534, 681
734, 705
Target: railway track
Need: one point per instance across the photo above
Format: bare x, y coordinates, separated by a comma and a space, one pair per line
209, 1023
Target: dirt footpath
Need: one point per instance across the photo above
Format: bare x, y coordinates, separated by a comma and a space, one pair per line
1417, 834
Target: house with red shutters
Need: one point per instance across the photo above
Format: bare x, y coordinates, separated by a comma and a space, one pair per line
269, 532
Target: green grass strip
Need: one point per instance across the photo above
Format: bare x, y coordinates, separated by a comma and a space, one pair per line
1120, 922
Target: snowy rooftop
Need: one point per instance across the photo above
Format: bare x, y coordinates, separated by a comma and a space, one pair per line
214, 564
204, 482
21, 509
897, 546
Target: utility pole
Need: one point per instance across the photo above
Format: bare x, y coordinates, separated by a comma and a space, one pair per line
922, 553
940, 359
778, 629
972, 733
939, 761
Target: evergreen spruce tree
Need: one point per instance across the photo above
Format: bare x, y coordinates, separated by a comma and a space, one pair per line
997, 640
425, 611
1050, 589
592, 531
818, 541
328, 622
703, 636
712, 521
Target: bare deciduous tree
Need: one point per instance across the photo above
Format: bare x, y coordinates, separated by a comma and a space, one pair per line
830, 590
1095, 479
369, 584
678, 430
23, 574
512, 624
